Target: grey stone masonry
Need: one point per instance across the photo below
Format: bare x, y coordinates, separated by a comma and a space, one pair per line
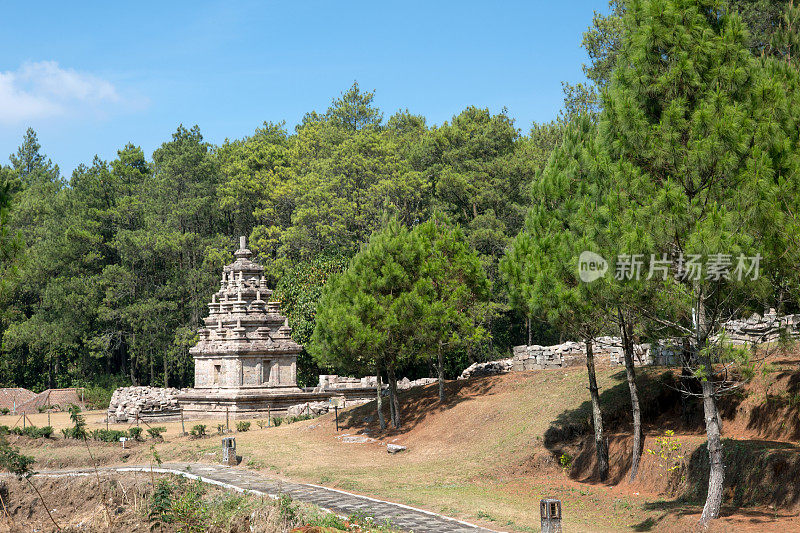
758, 329
128, 403
246, 342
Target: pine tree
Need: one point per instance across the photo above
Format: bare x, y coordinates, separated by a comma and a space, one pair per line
684, 122
541, 266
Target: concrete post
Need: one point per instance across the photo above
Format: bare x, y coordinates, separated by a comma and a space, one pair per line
551, 515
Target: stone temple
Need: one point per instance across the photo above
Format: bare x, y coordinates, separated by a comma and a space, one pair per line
245, 360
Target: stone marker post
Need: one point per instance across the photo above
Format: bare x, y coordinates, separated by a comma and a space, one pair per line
229, 451
551, 515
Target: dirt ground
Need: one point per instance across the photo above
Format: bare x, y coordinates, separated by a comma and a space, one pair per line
492, 450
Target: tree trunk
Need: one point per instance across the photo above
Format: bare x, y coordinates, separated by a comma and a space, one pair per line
395, 401
166, 370
717, 473
627, 350
379, 400
530, 333
597, 416
392, 414
440, 368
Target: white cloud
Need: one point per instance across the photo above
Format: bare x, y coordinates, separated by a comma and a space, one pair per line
43, 89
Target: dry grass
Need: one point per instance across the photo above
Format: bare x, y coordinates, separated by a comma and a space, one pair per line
481, 456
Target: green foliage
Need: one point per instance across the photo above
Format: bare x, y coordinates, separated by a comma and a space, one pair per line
297, 418
78, 431
287, 508
160, 510
242, 426
277, 421
404, 295
189, 513
108, 435
135, 433
5, 410
32, 432
198, 430
261, 423
669, 454
14, 462
156, 432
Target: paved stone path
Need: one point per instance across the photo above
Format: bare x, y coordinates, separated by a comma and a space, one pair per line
333, 500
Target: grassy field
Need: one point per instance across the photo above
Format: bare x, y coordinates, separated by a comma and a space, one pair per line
487, 455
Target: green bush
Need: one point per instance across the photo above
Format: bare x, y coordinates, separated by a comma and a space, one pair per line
79, 430
4, 430
276, 421
242, 426
135, 432
298, 418
108, 435
33, 432
155, 433
220, 428
198, 430
261, 423
4, 410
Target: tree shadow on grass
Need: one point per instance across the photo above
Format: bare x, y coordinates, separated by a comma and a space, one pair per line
417, 404
657, 396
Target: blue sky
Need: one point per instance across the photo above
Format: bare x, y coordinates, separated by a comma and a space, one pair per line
92, 76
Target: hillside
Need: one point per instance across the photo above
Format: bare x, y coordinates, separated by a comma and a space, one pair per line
494, 448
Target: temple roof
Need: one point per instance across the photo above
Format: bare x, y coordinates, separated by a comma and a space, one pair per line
241, 319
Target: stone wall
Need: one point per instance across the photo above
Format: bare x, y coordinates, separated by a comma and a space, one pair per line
128, 402
758, 329
332, 382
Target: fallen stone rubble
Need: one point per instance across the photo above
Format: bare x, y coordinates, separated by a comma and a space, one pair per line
128, 402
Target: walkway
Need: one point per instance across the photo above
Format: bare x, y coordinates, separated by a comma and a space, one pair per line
333, 500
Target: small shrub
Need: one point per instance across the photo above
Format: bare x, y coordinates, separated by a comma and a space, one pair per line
79, 421
33, 432
4, 430
221, 429
155, 433
135, 433
287, 508
43, 408
565, 461
277, 421
198, 430
261, 423
242, 426
189, 511
108, 435
16, 430
4, 410
160, 511
298, 418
